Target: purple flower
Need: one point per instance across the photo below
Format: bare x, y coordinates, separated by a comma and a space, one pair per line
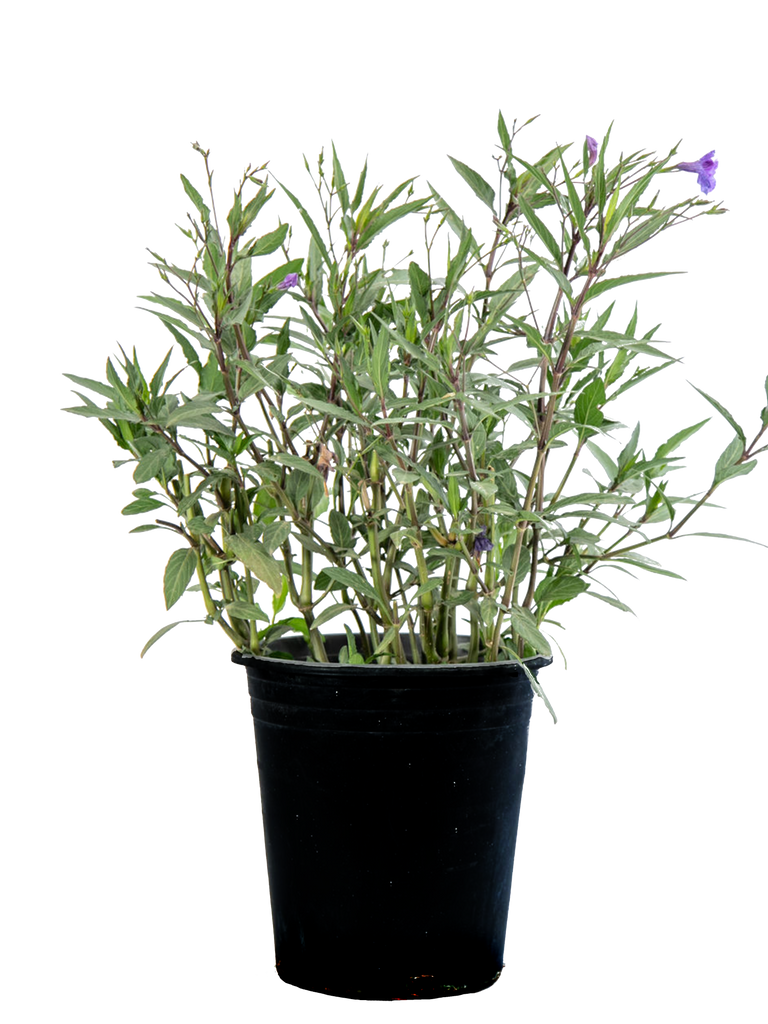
482, 543
591, 149
705, 168
289, 281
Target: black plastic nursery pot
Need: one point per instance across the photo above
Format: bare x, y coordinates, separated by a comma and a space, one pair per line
390, 796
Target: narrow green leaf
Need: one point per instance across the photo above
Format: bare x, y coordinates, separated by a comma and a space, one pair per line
182, 308
163, 631
577, 210
196, 198
380, 363
358, 197
310, 224
644, 563
454, 498
267, 244
616, 282
94, 385
720, 535
178, 572
330, 613
541, 229
537, 689
341, 531
553, 270
558, 644
477, 183
724, 413
326, 408
251, 210
103, 414
379, 223
614, 602
677, 439
728, 460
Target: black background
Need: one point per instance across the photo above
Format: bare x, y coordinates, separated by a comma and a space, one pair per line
635, 815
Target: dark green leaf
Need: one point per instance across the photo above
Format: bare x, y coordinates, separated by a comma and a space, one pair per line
161, 632
541, 230
587, 409
340, 529
477, 183
616, 282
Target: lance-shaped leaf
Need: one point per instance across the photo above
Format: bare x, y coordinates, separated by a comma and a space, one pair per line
613, 601
724, 413
477, 183
197, 412
165, 630
541, 229
266, 244
378, 223
196, 198
380, 362
553, 269
720, 535
182, 308
313, 230
252, 209
178, 572
616, 282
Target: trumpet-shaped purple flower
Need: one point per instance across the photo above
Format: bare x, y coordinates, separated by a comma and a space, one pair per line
289, 281
591, 149
482, 543
705, 168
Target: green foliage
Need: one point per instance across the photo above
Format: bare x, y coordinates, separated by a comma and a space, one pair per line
352, 444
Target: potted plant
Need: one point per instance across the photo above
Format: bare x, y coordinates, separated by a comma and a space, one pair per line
390, 448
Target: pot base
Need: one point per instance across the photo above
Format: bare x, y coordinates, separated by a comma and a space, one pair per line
422, 989
392, 989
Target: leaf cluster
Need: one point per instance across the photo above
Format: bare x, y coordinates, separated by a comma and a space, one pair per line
393, 444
